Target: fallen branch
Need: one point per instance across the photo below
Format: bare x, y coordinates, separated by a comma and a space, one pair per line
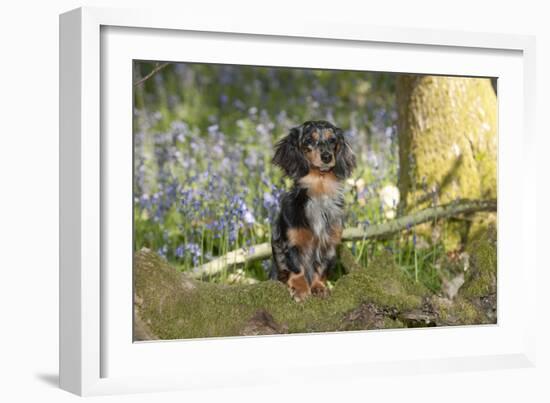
384, 230
378, 231
238, 256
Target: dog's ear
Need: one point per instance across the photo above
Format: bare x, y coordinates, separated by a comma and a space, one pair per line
288, 155
345, 158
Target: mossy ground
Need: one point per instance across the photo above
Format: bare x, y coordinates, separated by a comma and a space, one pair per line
174, 309
481, 279
476, 299
173, 306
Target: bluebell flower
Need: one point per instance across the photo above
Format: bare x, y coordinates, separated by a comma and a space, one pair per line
266, 265
163, 251
249, 218
232, 235
180, 250
269, 200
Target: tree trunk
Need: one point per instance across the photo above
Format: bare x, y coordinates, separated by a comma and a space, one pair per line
447, 146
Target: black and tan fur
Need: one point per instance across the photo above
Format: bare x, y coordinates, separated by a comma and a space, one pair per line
309, 226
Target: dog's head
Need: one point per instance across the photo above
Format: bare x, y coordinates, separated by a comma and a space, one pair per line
314, 145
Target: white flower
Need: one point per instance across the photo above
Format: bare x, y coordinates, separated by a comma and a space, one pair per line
359, 184
389, 197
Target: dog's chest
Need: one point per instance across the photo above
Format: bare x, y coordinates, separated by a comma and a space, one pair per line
323, 213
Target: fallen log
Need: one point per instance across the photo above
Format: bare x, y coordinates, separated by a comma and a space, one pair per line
372, 232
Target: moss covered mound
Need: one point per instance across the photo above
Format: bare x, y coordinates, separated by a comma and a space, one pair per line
481, 278
170, 305
173, 306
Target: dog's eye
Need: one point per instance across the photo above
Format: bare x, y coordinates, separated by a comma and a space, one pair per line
332, 140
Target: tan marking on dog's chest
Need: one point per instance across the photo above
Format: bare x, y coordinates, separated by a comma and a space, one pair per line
320, 183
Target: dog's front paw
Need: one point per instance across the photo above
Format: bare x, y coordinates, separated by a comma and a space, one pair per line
299, 295
298, 287
319, 286
319, 290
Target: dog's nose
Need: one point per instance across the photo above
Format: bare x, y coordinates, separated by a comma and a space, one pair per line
326, 157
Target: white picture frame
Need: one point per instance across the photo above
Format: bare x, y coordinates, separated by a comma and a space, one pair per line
97, 357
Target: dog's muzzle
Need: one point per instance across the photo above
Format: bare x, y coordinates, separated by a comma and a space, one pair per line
326, 157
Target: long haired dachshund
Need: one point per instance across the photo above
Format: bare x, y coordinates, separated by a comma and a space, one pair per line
309, 226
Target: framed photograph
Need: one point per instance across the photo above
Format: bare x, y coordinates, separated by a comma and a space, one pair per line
235, 197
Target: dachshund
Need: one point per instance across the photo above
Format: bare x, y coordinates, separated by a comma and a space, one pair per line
308, 228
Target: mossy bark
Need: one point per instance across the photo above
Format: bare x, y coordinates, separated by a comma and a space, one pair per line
170, 305
447, 146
